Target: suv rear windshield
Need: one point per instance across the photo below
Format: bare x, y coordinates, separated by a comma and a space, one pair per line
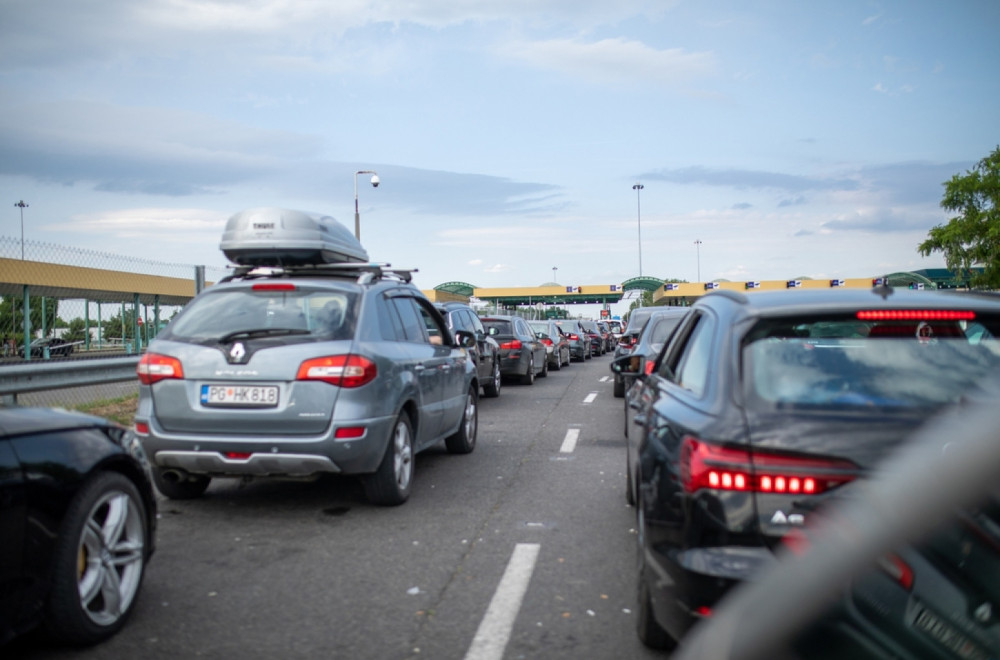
846, 362
247, 314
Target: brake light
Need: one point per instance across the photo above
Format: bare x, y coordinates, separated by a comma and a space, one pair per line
142, 428
915, 315
273, 286
349, 432
647, 368
238, 455
704, 465
511, 345
574, 337
340, 370
547, 341
153, 368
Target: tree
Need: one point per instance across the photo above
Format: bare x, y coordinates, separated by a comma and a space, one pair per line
971, 238
12, 316
76, 330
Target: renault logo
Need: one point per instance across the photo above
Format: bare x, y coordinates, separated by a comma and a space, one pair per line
237, 352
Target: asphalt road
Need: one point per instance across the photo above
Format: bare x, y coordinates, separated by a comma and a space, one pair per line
523, 549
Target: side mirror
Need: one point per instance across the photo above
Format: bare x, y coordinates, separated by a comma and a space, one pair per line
624, 366
465, 339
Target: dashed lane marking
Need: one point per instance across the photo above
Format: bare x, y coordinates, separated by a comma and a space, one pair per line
494, 630
569, 442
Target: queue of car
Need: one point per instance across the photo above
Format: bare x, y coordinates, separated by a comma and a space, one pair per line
307, 359
764, 410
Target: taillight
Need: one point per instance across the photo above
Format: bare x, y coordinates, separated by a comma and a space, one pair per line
547, 341
340, 370
153, 368
511, 345
894, 566
627, 341
142, 428
647, 367
704, 465
915, 315
574, 337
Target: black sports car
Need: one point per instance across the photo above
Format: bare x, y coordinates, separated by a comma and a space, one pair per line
77, 522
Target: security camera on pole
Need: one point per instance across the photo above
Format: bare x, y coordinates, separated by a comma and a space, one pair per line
357, 216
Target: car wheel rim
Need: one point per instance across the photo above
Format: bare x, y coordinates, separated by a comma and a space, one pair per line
402, 456
496, 375
110, 558
470, 417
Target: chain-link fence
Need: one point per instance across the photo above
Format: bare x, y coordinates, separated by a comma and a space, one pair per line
61, 303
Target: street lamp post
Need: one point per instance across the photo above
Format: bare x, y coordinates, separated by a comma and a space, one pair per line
697, 247
638, 221
22, 206
554, 269
357, 216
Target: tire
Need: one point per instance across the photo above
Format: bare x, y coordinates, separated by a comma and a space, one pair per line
491, 389
629, 483
99, 561
529, 377
558, 363
545, 368
391, 483
186, 488
589, 353
463, 441
619, 388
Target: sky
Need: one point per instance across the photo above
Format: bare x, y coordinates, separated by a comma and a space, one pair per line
774, 139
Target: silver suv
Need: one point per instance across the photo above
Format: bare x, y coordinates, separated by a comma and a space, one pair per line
300, 370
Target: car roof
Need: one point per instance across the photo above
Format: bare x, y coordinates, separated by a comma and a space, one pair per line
766, 303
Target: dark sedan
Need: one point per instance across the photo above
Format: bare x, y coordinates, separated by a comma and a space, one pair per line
579, 341
77, 521
522, 353
764, 407
646, 347
556, 343
486, 351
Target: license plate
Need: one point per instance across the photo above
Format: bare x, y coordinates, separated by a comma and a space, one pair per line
240, 396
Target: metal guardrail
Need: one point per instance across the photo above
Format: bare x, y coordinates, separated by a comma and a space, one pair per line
19, 379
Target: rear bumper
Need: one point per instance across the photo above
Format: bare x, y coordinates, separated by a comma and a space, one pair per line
681, 583
270, 455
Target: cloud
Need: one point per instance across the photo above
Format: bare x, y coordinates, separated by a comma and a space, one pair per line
882, 221
742, 206
753, 179
614, 61
497, 268
796, 201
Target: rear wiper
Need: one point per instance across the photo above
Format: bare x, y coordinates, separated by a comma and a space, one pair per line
262, 332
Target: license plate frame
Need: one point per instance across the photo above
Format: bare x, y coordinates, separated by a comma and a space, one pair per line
239, 396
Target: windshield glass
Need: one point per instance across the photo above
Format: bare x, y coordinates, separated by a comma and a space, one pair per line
849, 363
322, 314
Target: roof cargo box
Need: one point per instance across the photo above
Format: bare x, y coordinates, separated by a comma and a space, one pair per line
282, 237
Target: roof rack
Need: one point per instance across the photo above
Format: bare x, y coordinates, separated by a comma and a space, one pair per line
365, 272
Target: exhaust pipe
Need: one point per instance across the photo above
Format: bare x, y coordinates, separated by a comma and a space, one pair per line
175, 476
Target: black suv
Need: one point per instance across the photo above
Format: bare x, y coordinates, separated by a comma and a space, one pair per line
763, 408
486, 352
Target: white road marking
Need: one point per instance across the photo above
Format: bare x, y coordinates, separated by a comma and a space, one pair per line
606, 379
590, 397
494, 630
569, 442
